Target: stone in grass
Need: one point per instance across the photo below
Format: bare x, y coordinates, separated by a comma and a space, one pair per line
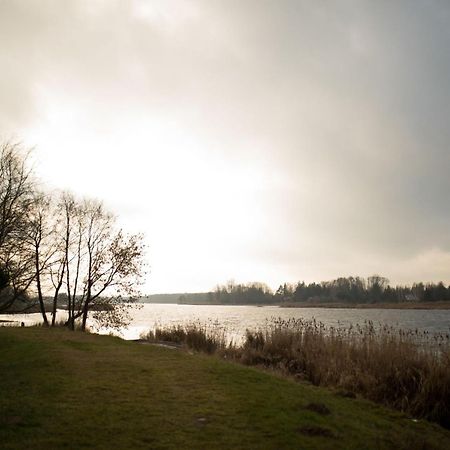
319, 408
201, 421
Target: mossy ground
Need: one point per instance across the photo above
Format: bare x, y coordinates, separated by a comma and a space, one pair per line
62, 389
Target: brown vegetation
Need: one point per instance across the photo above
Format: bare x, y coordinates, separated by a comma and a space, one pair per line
208, 338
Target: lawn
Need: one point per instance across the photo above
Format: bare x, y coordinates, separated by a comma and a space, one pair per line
63, 389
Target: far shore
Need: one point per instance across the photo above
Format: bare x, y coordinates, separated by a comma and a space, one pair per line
403, 305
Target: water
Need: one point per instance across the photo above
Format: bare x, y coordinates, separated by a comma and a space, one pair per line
236, 319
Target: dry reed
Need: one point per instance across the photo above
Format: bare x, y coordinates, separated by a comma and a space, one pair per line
198, 336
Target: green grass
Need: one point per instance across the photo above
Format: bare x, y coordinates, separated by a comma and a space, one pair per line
62, 389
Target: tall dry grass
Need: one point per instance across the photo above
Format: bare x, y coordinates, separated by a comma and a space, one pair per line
198, 336
407, 370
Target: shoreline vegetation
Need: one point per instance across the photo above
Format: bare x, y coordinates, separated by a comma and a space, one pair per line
405, 305
343, 292
408, 370
84, 390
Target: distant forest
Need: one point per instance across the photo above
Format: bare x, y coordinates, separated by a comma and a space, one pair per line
352, 290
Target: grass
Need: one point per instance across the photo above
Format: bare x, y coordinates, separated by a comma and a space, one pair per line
406, 370
65, 389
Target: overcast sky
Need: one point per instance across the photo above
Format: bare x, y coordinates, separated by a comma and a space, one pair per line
251, 140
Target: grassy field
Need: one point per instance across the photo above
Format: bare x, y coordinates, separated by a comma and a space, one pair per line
62, 389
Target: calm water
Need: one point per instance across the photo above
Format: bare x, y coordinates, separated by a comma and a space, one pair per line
236, 319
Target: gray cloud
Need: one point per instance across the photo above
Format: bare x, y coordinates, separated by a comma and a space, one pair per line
346, 103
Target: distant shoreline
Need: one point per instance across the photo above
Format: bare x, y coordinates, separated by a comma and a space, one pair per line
403, 305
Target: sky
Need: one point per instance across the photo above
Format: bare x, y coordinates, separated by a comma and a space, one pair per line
252, 140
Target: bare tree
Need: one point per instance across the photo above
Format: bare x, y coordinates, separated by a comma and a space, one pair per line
73, 245
35, 237
57, 266
376, 285
103, 266
73, 255
45, 241
16, 197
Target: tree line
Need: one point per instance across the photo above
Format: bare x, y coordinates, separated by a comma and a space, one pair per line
374, 289
241, 294
57, 246
355, 290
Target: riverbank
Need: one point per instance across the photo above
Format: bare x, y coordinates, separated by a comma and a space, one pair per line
404, 305
408, 370
66, 389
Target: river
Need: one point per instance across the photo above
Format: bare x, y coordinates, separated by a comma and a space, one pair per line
236, 319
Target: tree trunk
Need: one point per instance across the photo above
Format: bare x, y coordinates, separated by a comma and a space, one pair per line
85, 315
39, 289
55, 304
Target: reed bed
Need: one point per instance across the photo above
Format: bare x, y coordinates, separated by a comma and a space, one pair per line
408, 370
207, 337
